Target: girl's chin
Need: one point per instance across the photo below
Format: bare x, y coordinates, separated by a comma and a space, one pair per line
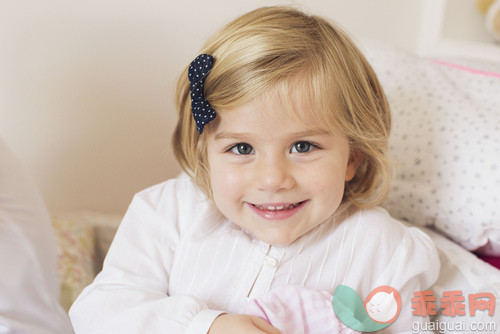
278, 241
277, 237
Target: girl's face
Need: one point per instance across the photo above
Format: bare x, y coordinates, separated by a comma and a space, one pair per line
274, 176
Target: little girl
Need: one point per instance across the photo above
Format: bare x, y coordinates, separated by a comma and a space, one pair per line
283, 133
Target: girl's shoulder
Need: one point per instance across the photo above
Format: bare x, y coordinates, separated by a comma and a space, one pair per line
378, 229
389, 251
377, 219
176, 194
177, 202
182, 184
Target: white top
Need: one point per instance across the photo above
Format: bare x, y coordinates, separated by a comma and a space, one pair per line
29, 290
176, 263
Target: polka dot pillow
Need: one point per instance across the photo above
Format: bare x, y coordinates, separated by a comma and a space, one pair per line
446, 145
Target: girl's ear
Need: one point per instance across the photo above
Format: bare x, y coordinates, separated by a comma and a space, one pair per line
355, 159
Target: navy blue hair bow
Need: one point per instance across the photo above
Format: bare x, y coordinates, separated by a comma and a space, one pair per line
197, 73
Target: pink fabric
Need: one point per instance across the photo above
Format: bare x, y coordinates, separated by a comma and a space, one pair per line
468, 69
295, 309
493, 260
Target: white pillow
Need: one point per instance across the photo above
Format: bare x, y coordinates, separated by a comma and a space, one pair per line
29, 289
446, 144
463, 271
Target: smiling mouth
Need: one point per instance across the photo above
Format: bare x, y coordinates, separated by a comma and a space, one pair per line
278, 207
277, 211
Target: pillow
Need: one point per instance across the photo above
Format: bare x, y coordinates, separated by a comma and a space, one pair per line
76, 251
83, 239
29, 288
462, 271
446, 145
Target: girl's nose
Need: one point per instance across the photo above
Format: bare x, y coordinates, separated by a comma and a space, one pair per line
274, 174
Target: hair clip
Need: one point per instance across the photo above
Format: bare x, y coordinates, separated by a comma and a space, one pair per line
197, 73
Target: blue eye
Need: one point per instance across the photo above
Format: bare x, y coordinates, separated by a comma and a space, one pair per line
242, 148
301, 147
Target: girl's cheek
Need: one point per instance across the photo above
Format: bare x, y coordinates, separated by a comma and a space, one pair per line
223, 178
230, 177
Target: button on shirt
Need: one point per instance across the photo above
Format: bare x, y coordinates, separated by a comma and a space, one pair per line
175, 269
271, 262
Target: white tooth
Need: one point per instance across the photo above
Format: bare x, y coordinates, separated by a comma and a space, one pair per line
271, 208
280, 207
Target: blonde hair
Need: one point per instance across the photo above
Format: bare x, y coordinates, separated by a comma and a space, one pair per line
286, 51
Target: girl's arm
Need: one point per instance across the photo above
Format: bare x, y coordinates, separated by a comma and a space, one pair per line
131, 294
414, 268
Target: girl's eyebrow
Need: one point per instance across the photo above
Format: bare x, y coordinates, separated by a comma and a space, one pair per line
231, 135
242, 135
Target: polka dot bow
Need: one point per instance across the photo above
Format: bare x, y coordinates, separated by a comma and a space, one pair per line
197, 73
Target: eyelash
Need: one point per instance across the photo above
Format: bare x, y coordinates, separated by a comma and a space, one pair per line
311, 146
235, 148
